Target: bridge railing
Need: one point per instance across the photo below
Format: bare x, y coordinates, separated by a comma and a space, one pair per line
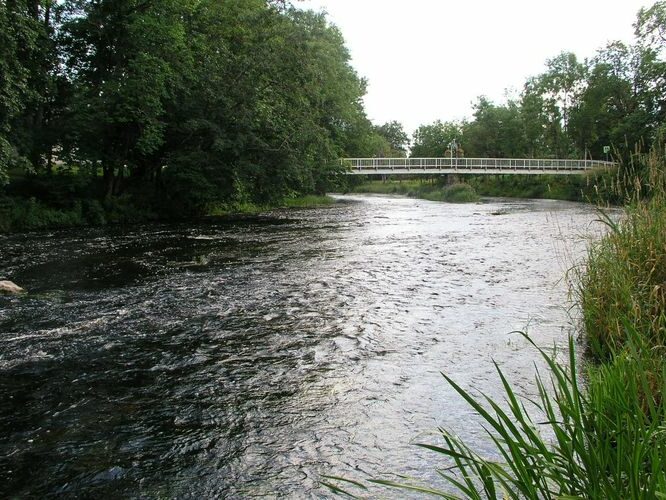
359, 165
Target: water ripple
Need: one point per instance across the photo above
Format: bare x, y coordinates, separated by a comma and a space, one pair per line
245, 358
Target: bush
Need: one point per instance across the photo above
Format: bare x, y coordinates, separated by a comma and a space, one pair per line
307, 201
93, 212
460, 193
436, 191
122, 209
31, 215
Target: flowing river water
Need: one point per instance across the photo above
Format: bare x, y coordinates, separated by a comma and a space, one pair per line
245, 358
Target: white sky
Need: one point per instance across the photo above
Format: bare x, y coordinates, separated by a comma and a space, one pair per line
430, 59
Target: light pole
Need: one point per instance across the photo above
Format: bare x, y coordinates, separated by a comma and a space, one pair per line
453, 146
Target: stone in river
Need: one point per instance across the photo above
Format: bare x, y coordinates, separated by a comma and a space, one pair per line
10, 287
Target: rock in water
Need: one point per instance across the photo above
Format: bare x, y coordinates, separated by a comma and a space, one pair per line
10, 287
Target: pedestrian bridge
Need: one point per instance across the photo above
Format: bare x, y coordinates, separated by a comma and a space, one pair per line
477, 166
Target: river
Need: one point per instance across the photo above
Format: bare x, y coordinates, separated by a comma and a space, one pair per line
246, 357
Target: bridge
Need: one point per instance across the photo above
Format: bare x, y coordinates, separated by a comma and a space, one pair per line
477, 166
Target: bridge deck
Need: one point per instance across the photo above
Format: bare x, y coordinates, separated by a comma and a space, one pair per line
432, 166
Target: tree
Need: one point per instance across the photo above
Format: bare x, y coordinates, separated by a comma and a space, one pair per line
124, 58
432, 141
396, 137
606, 102
650, 26
563, 81
273, 103
496, 131
20, 34
542, 122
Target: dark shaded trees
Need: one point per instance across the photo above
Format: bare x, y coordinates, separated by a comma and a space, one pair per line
183, 103
273, 103
27, 63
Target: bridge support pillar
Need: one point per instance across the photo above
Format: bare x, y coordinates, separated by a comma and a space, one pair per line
451, 179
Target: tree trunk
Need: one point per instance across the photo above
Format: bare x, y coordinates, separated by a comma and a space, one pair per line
109, 181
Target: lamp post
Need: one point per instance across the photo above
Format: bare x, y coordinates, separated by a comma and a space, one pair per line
453, 146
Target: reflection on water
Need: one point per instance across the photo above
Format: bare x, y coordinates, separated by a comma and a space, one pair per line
248, 357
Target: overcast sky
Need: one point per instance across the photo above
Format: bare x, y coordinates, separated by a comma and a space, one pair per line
430, 59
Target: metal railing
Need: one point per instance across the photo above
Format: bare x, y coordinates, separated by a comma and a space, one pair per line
470, 165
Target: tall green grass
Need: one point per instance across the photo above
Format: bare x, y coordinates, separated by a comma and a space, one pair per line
625, 279
459, 192
600, 434
569, 442
308, 201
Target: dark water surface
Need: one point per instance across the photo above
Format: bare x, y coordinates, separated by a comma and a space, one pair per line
246, 358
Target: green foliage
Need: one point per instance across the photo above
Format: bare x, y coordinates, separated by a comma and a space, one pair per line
495, 132
396, 137
626, 275
184, 105
434, 191
179, 105
460, 193
124, 209
308, 201
18, 35
600, 187
30, 214
650, 25
432, 141
268, 114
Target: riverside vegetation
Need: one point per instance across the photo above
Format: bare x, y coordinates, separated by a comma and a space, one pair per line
124, 111
119, 111
606, 426
433, 191
596, 187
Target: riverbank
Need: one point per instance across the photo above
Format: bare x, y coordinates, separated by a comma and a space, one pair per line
20, 214
595, 188
427, 190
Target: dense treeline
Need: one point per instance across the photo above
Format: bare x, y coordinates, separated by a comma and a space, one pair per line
115, 110
174, 105
573, 109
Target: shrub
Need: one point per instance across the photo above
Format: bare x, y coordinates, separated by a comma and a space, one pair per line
460, 193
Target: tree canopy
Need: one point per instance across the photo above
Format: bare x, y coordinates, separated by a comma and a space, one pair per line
179, 105
189, 102
574, 109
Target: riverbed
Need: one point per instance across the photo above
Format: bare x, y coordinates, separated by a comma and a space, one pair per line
247, 357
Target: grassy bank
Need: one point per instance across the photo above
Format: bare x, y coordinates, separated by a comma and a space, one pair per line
433, 191
306, 201
595, 187
21, 214
596, 434
599, 187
